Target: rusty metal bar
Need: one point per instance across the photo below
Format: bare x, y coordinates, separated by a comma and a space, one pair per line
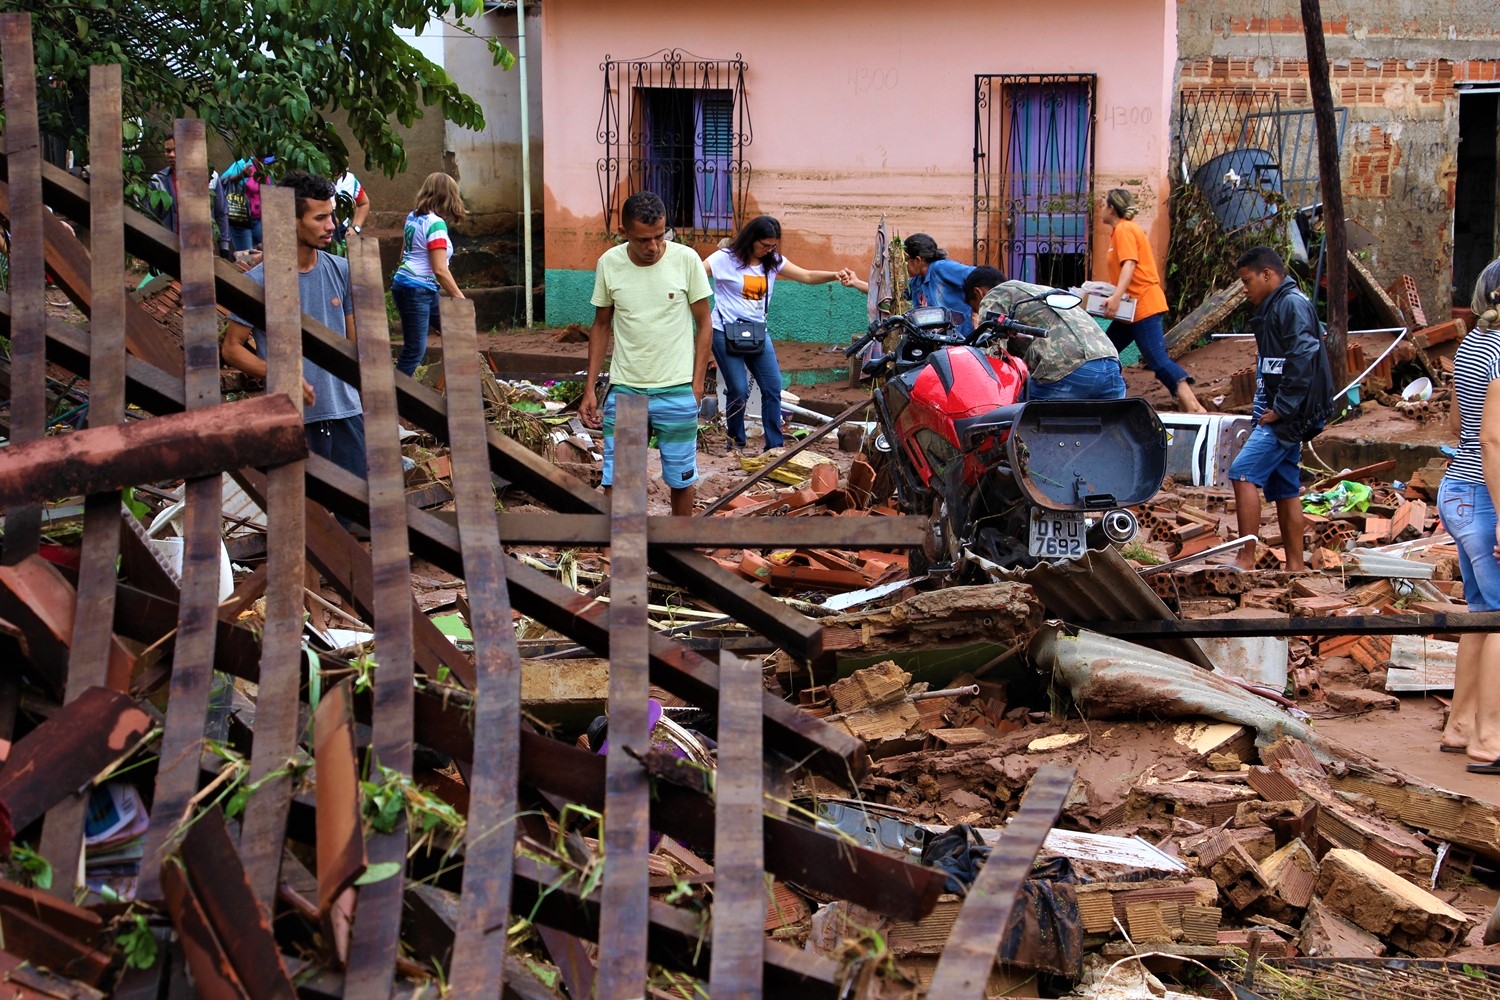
627, 790
1205, 628
218, 880
478, 965
786, 456
213, 974
197, 620
964, 968
94, 612
66, 752
340, 837
739, 913
377, 918
266, 430
279, 691
28, 278
537, 528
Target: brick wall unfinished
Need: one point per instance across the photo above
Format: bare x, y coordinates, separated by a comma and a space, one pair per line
1396, 67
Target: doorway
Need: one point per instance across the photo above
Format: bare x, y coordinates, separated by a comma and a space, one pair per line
1475, 189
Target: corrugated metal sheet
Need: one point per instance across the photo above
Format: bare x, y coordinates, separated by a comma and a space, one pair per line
1103, 587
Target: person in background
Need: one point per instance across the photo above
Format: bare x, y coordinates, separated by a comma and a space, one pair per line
1466, 502
165, 210
334, 417
1133, 272
245, 179
426, 249
744, 275
935, 280
348, 187
652, 294
1293, 400
1074, 361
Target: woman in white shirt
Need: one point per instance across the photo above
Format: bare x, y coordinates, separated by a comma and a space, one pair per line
426, 249
744, 275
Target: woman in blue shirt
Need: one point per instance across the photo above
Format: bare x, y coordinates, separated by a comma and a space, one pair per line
936, 280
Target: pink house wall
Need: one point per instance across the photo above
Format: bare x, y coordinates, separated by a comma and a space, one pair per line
861, 109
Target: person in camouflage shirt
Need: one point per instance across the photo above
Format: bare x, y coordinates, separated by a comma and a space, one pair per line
1076, 360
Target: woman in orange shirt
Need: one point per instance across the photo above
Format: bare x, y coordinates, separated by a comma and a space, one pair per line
1132, 269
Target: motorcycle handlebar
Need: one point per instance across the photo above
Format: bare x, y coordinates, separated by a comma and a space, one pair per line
1008, 328
1022, 328
876, 330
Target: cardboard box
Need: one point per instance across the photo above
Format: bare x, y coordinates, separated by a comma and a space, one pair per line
1126, 312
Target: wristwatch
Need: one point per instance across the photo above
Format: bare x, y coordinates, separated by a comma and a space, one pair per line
357, 230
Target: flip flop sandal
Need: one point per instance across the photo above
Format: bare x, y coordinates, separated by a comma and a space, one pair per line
1491, 768
1449, 748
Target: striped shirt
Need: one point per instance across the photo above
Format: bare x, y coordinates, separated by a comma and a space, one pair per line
1475, 366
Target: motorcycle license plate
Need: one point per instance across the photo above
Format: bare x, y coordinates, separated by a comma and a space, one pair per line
1057, 534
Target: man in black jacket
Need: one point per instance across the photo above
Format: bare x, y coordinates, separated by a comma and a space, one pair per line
1293, 400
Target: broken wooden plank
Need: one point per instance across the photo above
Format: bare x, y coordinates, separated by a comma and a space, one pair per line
532, 528
278, 701
28, 277
377, 921
197, 619
1214, 310
92, 641
964, 969
627, 812
739, 856
478, 963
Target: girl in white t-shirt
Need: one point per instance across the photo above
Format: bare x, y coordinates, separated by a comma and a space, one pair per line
744, 275
426, 248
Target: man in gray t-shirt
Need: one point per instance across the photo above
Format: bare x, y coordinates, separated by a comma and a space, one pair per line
333, 416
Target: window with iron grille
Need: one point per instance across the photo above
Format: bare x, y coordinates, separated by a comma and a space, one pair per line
1034, 175
676, 125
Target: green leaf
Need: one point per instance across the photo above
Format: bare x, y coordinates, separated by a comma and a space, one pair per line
504, 58
379, 872
82, 24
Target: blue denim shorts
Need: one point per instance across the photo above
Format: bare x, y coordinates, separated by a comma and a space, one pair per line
1469, 515
673, 415
1270, 463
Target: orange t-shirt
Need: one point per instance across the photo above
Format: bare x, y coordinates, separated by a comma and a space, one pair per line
1128, 242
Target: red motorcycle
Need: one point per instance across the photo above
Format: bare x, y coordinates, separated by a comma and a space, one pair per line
1004, 482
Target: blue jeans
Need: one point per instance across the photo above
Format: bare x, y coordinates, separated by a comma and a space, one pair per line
1152, 340
732, 369
342, 442
417, 304
1469, 515
245, 237
1097, 379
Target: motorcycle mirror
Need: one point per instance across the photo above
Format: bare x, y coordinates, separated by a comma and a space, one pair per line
1061, 300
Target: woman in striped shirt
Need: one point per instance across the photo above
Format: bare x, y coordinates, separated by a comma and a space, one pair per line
1466, 502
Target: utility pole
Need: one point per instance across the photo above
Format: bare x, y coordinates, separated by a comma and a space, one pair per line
1334, 242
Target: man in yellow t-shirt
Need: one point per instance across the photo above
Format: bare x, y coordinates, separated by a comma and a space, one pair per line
653, 296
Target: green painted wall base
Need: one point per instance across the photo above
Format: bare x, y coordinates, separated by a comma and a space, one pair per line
816, 314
